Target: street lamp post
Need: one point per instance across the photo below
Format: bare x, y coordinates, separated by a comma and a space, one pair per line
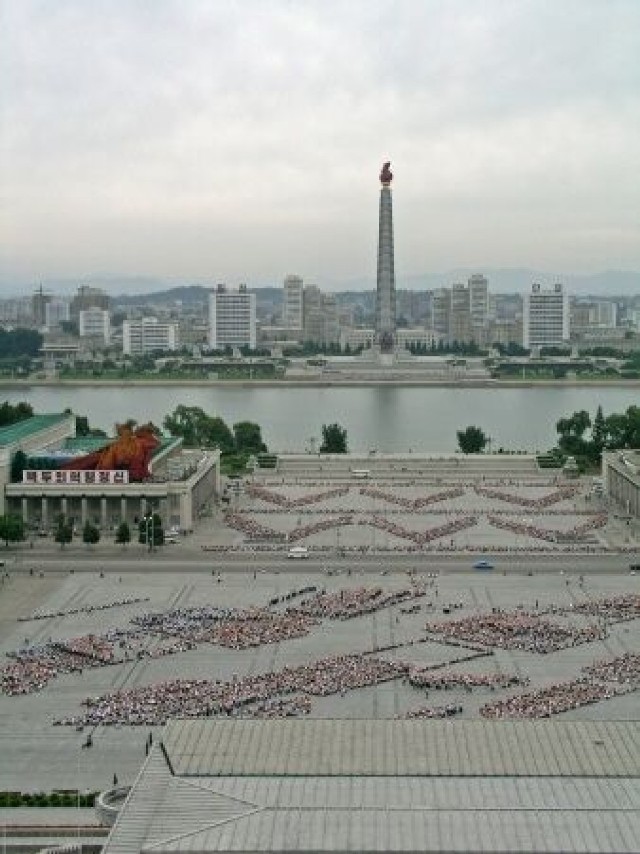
149, 526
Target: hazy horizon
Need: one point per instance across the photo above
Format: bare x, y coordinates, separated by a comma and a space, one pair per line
205, 142
612, 283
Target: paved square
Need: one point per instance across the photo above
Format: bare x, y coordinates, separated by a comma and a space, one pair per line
38, 755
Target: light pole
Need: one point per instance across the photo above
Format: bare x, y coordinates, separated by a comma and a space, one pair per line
149, 526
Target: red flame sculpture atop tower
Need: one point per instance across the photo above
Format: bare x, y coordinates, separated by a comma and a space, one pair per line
386, 176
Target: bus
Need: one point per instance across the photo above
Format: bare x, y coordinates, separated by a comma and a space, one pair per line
298, 552
360, 474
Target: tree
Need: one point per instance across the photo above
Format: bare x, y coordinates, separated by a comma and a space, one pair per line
12, 414
63, 533
334, 439
11, 529
598, 435
83, 428
571, 431
217, 434
70, 327
248, 437
633, 427
472, 440
150, 531
18, 465
123, 534
90, 534
616, 427
19, 342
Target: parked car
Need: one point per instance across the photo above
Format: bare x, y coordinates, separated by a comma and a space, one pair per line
483, 564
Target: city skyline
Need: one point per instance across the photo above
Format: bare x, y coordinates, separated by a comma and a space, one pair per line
166, 141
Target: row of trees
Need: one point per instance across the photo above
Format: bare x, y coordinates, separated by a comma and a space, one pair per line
586, 439
15, 343
579, 435
150, 531
12, 414
199, 430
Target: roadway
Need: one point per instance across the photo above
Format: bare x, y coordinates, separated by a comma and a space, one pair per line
169, 561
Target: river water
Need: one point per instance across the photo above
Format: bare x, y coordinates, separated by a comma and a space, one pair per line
391, 419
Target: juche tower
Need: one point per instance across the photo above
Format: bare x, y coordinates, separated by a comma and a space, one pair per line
386, 279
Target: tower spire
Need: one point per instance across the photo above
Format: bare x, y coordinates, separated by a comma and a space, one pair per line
386, 279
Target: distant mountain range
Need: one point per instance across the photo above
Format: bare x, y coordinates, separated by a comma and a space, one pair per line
131, 289
513, 280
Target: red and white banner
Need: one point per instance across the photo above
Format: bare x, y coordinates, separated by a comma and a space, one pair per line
71, 477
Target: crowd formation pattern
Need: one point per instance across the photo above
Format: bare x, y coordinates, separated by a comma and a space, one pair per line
290, 691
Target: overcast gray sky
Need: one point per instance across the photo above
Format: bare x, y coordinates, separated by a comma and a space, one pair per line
239, 141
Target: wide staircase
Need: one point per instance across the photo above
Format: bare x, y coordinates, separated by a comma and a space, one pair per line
409, 467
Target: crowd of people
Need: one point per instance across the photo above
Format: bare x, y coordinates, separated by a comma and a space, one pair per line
153, 705
516, 630
435, 712
185, 622
327, 524
157, 634
412, 503
263, 628
31, 668
602, 681
421, 538
612, 609
256, 491
84, 609
280, 707
625, 670
549, 535
552, 700
423, 677
253, 529
562, 493
227, 627
347, 603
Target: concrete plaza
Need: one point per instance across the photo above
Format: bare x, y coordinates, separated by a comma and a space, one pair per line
38, 755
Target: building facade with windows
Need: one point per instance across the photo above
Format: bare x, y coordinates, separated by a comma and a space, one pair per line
621, 479
148, 335
95, 323
232, 318
545, 317
293, 303
88, 297
182, 484
56, 312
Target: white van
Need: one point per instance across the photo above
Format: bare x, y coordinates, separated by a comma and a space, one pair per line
298, 552
360, 474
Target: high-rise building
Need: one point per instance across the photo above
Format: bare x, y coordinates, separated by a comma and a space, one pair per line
293, 303
56, 312
320, 316
88, 297
478, 302
386, 277
147, 336
232, 318
586, 313
545, 317
16, 312
95, 323
441, 311
460, 315
39, 302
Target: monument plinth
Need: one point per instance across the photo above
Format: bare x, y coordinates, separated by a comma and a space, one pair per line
386, 280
